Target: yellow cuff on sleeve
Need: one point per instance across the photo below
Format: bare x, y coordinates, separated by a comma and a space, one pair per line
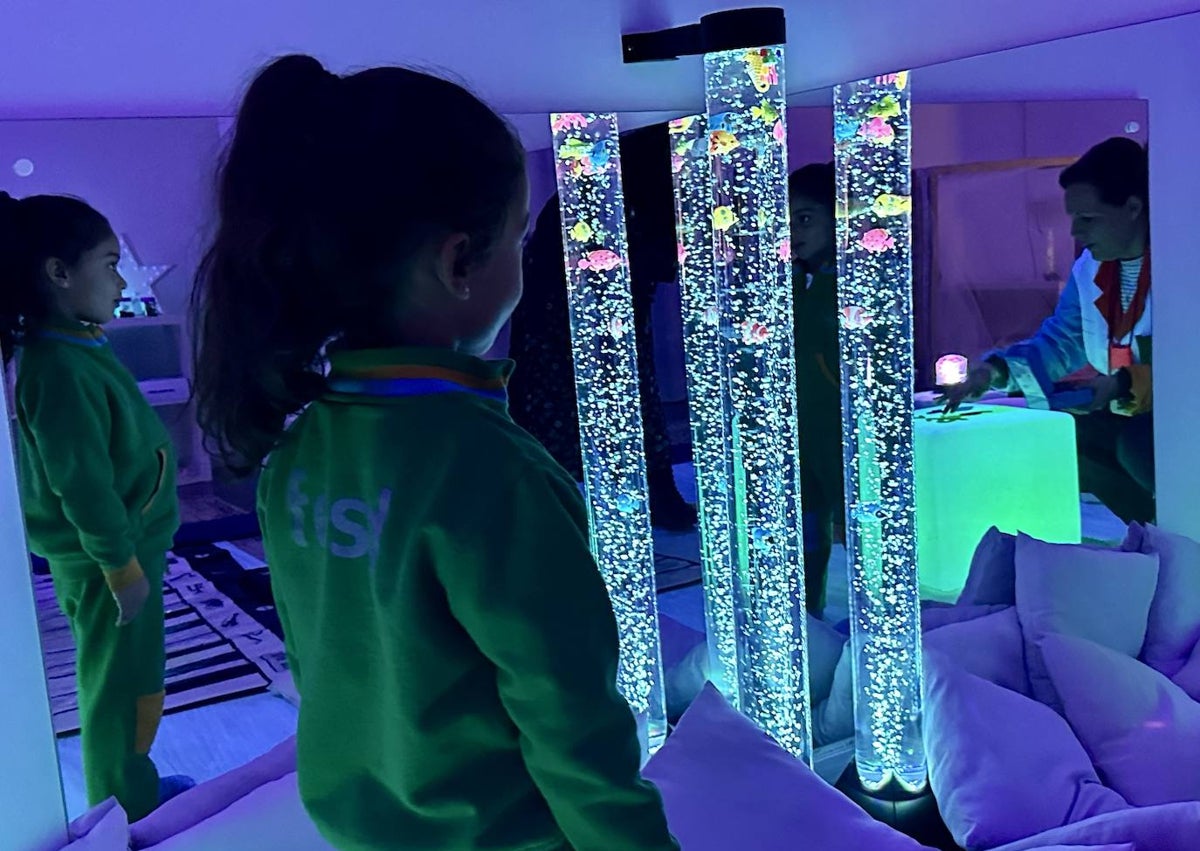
123, 577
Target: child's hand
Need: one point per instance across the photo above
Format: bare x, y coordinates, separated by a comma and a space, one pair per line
130, 600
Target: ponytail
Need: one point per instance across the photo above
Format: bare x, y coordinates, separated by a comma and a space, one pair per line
32, 231
328, 187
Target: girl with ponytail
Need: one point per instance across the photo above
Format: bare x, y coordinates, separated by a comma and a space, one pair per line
449, 633
97, 482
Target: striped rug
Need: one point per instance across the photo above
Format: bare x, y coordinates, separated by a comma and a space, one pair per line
203, 665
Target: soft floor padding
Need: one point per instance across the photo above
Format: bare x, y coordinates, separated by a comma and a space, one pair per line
1003, 766
206, 800
990, 647
992, 577
1099, 594
1141, 731
102, 828
269, 817
1174, 626
726, 786
1170, 827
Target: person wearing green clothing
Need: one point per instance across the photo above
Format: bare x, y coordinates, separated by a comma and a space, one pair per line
450, 636
811, 192
97, 474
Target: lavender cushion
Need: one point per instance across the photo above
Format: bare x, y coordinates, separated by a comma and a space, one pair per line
990, 647
209, 798
1122, 846
1102, 595
271, 816
1188, 677
992, 577
1174, 627
1140, 729
105, 827
1001, 765
727, 785
938, 616
1171, 827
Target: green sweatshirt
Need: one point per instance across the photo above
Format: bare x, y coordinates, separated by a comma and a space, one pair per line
97, 466
451, 637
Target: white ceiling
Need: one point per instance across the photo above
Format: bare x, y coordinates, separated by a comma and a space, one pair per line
76, 58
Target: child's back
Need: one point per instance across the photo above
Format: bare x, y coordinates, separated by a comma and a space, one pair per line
457, 649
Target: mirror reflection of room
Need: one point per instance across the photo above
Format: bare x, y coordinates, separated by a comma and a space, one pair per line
239, 659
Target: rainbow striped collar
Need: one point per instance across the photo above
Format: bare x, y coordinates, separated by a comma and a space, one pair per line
417, 372
90, 336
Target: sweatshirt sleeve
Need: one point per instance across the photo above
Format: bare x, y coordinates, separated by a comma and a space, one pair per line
531, 597
69, 422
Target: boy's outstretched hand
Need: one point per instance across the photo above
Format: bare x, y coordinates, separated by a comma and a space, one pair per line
978, 382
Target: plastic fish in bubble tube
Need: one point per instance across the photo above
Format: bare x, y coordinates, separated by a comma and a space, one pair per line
676, 163
762, 69
568, 121
616, 327
855, 318
892, 205
877, 132
723, 218
721, 142
778, 133
575, 149
681, 253
601, 260
854, 208
899, 80
785, 249
684, 145
845, 130
711, 315
682, 125
765, 112
877, 241
886, 107
754, 332
581, 232
720, 121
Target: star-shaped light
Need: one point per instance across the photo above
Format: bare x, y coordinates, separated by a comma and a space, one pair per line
139, 279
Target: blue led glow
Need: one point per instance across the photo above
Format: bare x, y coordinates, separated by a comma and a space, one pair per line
872, 157
747, 145
587, 161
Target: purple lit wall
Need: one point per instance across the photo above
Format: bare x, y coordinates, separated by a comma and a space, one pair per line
152, 178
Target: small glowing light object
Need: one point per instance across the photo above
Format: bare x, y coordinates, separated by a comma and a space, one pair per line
874, 212
138, 299
950, 370
708, 392
23, 167
587, 168
747, 144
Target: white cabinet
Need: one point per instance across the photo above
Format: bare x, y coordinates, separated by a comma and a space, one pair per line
157, 350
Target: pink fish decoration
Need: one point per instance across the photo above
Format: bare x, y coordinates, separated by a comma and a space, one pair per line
568, 121
877, 131
877, 241
681, 253
855, 317
616, 327
754, 332
676, 163
785, 249
601, 260
777, 132
710, 314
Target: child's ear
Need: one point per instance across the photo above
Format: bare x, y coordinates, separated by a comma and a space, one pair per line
57, 273
452, 265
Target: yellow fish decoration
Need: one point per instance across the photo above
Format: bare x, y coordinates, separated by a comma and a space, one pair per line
892, 205
885, 107
683, 125
582, 232
722, 142
724, 218
766, 112
575, 149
